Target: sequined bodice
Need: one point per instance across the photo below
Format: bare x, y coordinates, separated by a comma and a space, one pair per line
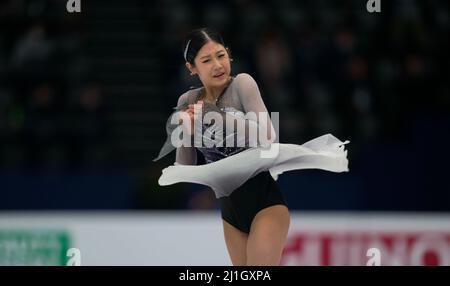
213, 154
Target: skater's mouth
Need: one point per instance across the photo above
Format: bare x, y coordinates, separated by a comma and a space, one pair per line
219, 74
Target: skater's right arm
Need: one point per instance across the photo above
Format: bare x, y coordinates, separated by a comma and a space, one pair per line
186, 155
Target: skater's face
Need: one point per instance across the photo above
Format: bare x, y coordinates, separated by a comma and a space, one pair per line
212, 64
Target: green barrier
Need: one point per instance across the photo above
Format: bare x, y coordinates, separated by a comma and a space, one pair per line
34, 247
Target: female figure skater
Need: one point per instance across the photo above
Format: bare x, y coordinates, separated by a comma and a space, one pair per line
255, 215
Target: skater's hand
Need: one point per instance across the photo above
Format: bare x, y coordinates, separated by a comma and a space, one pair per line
189, 116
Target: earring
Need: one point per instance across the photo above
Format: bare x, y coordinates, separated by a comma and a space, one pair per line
231, 60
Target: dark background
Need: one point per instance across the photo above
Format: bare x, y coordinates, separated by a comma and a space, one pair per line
84, 98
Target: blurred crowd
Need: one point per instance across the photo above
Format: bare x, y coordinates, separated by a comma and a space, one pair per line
380, 80
52, 114
332, 66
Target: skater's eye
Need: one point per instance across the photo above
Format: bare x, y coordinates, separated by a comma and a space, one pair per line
206, 61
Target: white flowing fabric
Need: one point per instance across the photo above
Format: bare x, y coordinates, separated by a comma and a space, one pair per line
224, 176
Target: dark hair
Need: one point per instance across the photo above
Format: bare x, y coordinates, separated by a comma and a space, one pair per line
195, 41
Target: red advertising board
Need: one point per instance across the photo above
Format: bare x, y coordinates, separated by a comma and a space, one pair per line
352, 247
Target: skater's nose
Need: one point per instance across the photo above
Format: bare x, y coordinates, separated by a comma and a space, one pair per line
217, 64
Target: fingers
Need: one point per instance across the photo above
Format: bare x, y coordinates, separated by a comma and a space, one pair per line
189, 112
192, 105
191, 109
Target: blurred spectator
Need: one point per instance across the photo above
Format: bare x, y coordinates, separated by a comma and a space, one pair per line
32, 53
41, 128
86, 129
